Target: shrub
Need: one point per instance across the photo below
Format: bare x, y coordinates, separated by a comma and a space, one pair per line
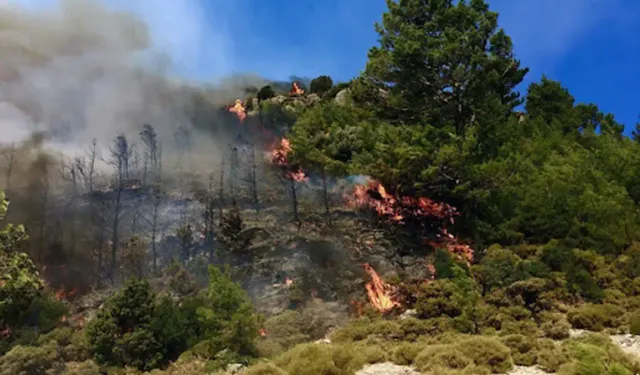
264, 368
320, 85
32, 360
405, 353
437, 299
480, 352
441, 356
133, 329
634, 323
83, 368
308, 359
551, 357
556, 330
266, 92
227, 317
523, 349
486, 351
499, 268
596, 317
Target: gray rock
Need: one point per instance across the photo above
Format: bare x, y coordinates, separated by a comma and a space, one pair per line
342, 97
387, 368
234, 368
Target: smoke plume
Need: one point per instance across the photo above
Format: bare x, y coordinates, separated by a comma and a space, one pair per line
82, 71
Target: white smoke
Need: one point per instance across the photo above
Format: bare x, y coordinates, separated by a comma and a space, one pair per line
79, 70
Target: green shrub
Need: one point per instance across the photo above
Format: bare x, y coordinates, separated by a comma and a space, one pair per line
308, 359
523, 349
498, 268
441, 356
227, 317
264, 368
405, 353
133, 329
320, 85
83, 368
596, 317
551, 357
557, 330
634, 323
32, 360
486, 351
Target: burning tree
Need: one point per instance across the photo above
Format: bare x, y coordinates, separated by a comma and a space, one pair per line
383, 297
291, 174
239, 109
429, 215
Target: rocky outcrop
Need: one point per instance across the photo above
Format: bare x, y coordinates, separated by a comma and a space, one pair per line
387, 368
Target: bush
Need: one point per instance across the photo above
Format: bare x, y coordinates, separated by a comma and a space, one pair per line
406, 353
32, 360
227, 317
309, 359
133, 329
523, 349
437, 299
483, 354
498, 268
320, 85
83, 368
596, 317
634, 323
550, 356
265, 368
266, 92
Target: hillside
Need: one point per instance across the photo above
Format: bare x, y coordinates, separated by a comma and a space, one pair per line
423, 218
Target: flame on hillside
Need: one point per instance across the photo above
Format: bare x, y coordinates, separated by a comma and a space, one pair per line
295, 89
279, 158
239, 110
374, 196
381, 295
64, 294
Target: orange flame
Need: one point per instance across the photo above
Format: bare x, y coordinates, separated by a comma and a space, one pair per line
239, 110
375, 197
64, 294
381, 294
295, 89
279, 158
263, 332
288, 281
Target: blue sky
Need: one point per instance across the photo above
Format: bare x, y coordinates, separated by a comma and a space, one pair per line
589, 45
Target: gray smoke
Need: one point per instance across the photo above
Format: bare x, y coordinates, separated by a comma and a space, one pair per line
82, 71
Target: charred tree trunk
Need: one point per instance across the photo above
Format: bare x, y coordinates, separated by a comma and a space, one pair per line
294, 202
325, 197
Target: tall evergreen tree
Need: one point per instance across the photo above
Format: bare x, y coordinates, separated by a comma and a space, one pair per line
443, 62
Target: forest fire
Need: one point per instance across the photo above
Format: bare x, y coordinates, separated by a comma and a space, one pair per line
381, 295
296, 90
374, 196
279, 158
263, 332
239, 110
64, 294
